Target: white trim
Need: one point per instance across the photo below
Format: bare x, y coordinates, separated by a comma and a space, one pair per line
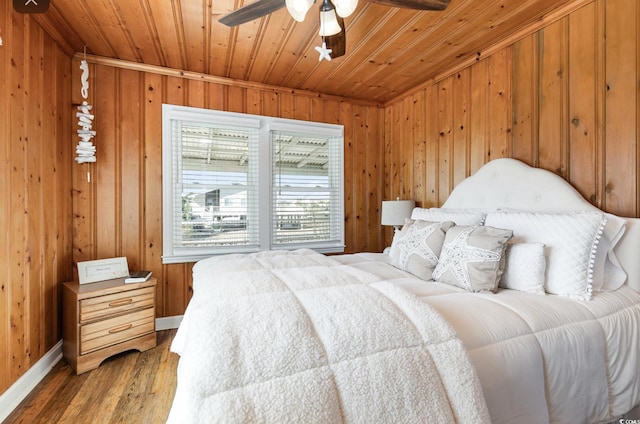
303, 127
10, 399
260, 200
222, 118
168, 323
19, 390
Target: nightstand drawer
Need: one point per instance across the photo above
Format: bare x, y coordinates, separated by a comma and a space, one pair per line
105, 318
116, 330
114, 304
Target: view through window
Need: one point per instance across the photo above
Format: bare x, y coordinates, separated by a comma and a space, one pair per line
239, 183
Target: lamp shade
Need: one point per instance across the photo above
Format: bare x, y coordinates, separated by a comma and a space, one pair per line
329, 23
394, 212
345, 8
298, 8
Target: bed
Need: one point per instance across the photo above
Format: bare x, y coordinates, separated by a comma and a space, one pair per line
541, 324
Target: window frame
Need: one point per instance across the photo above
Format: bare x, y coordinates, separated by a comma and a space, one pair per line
265, 125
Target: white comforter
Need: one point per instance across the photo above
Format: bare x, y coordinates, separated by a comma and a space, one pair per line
297, 337
539, 358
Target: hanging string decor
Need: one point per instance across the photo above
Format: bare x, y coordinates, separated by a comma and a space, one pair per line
85, 150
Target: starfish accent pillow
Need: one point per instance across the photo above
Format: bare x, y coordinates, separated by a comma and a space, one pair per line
417, 246
472, 258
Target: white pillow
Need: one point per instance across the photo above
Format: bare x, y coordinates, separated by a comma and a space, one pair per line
524, 268
608, 274
417, 246
571, 242
458, 216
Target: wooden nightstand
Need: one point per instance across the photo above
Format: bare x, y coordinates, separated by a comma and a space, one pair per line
104, 318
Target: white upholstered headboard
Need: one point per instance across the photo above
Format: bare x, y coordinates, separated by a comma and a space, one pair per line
509, 183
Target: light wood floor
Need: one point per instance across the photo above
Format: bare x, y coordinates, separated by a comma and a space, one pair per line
131, 387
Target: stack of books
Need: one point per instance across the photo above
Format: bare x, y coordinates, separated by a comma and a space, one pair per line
138, 277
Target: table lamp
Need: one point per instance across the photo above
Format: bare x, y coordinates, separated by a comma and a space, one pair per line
394, 212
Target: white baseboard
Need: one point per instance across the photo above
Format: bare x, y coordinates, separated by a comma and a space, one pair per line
168, 323
19, 390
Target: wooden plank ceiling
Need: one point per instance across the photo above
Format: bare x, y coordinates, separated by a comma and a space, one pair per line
389, 50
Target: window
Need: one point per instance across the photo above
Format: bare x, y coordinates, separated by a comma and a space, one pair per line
242, 183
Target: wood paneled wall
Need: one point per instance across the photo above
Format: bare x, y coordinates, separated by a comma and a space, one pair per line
119, 211
564, 98
35, 191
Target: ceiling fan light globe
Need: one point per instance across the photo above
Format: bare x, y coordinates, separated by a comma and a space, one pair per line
345, 8
298, 8
329, 23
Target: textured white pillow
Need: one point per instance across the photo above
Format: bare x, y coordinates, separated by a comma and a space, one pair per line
417, 246
458, 216
571, 242
472, 257
607, 273
524, 269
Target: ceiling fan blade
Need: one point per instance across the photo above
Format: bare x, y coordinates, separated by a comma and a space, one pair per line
337, 43
252, 11
415, 4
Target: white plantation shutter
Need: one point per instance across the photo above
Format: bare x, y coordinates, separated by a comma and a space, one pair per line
217, 197
306, 172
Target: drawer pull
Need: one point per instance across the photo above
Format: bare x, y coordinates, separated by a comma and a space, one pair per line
121, 328
120, 302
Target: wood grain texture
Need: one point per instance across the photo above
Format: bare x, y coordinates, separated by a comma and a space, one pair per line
389, 50
31, 173
135, 387
127, 186
445, 163
553, 93
621, 106
17, 198
5, 206
35, 187
461, 136
582, 101
479, 125
560, 98
525, 105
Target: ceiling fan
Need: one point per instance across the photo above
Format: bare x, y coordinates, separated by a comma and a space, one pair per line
332, 14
